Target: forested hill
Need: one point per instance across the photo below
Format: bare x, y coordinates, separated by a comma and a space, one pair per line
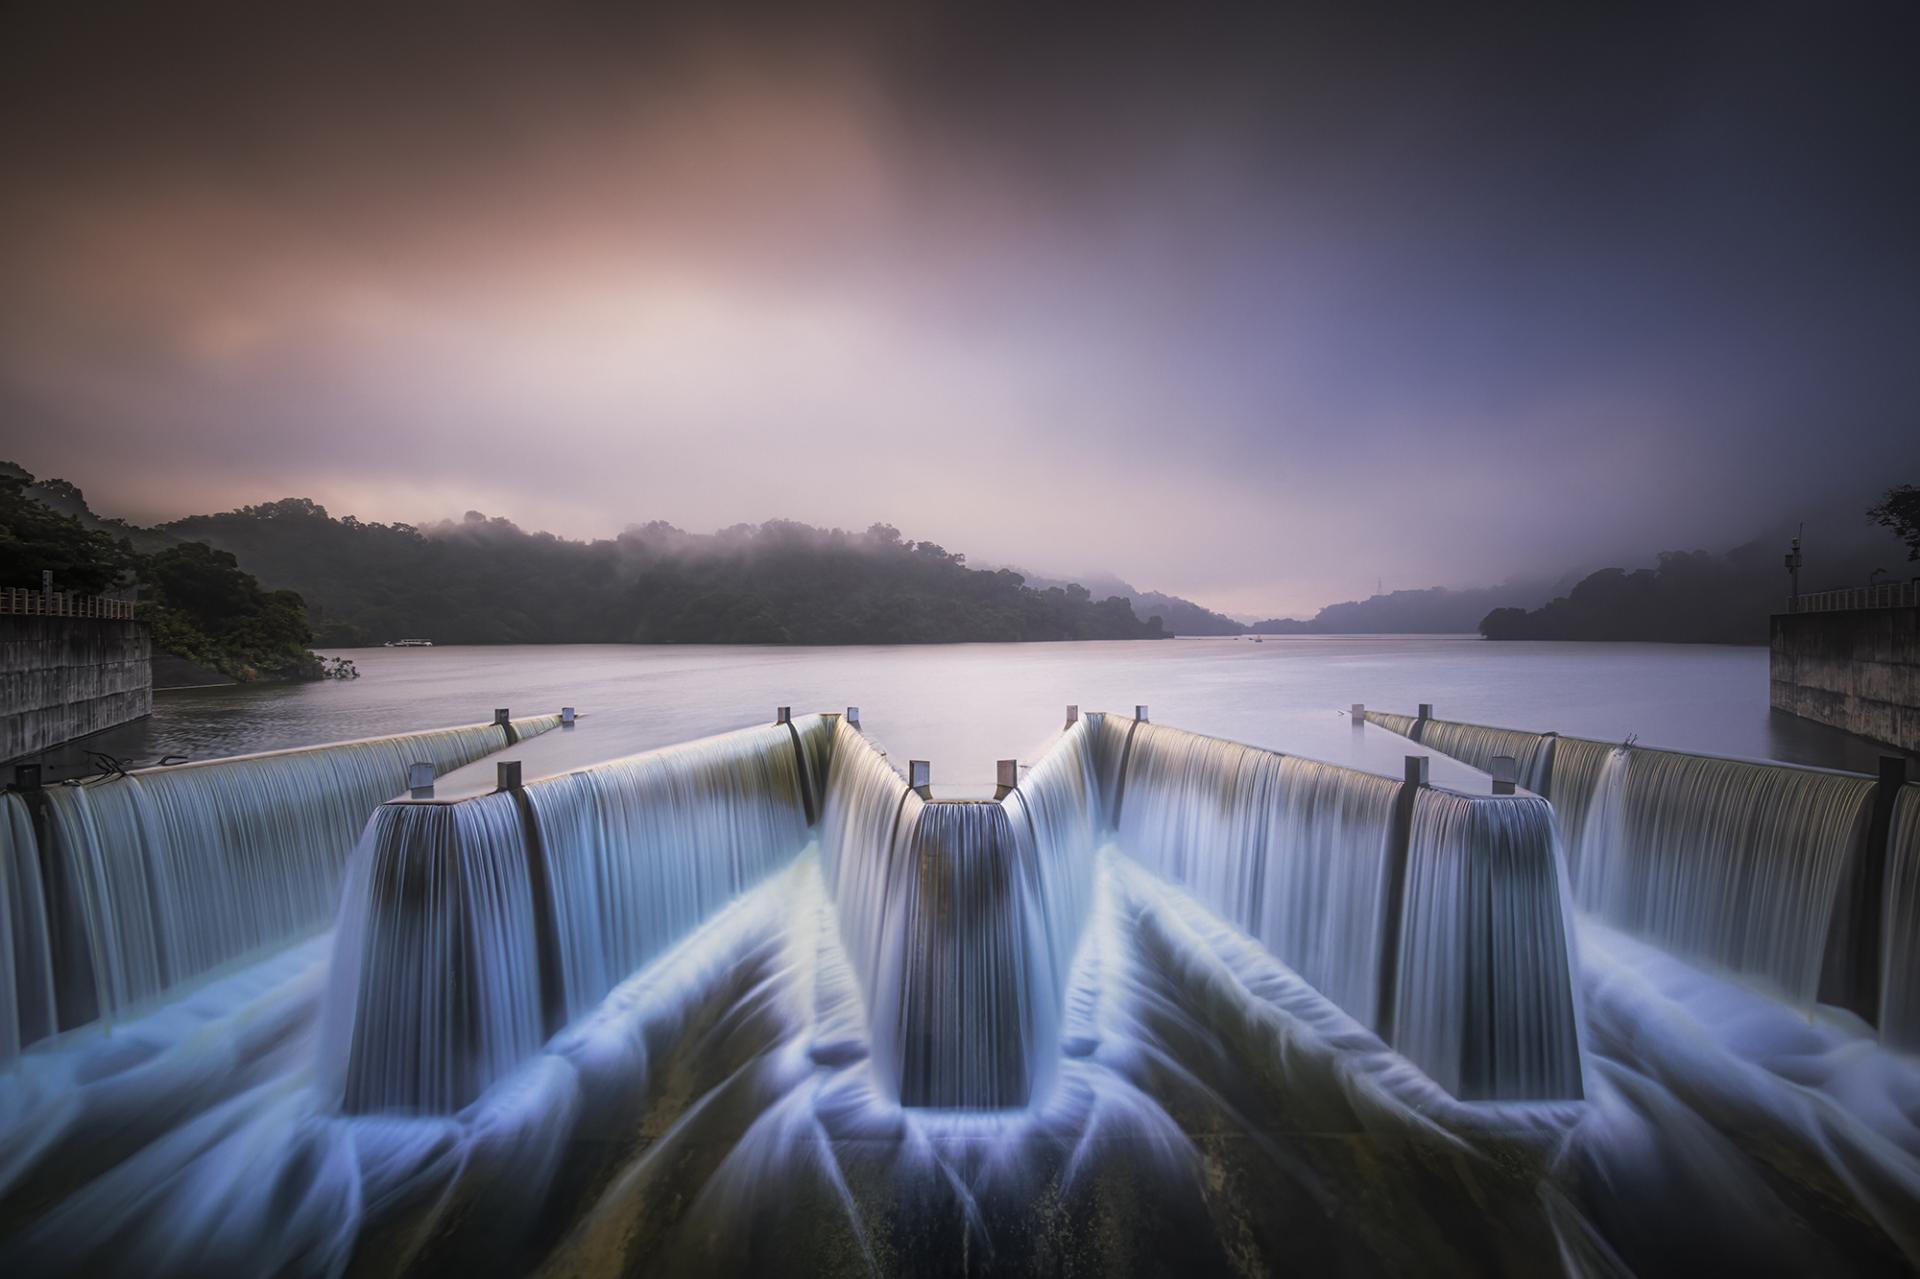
487, 581
198, 602
1688, 597
1437, 610
1695, 597
1178, 616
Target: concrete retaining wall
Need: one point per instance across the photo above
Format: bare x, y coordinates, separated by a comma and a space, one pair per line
66, 677
1857, 669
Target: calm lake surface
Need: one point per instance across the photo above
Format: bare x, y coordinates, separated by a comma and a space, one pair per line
962, 706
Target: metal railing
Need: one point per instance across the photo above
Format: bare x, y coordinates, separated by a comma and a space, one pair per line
21, 601
1881, 595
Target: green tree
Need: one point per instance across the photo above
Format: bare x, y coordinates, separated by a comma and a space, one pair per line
203, 606
481, 580
1899, 510
198, 601
35, 538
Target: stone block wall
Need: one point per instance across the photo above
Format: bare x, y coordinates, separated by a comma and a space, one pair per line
1856, 669
66, 677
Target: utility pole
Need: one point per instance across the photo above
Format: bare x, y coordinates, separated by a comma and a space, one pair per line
1794, 560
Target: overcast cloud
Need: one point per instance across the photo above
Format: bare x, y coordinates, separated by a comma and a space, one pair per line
1254, 310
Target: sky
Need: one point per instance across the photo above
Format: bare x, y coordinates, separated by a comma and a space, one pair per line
1257, 305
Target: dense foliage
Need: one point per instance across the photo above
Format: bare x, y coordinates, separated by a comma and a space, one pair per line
1899, 510
1691, 597
486, 581
198, 601
203, 607
1694, 597
35, 538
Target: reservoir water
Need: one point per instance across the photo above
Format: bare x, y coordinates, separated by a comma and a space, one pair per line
962, 706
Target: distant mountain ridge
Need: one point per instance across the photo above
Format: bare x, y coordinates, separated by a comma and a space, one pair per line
1437, 610
1179, 616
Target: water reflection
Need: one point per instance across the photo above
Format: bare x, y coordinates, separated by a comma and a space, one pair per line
964, 706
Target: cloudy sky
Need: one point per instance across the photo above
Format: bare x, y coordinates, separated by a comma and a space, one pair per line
1253, 305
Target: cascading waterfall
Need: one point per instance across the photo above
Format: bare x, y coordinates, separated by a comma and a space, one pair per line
1401, 724
1565, 770
1574, 783
150, 880
868, 805
27, 1010
1291, 850
968, 1029
616, 840
961, 920
473, 930
1738, 864
1484, 994
438, 931
1760, 869
1058, 803
1601, 818
1477, 744
1107, 738
724, 1096
1301, 855
1900, 927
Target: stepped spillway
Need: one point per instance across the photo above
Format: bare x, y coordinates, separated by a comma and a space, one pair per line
1900, 927
476, 929
473, 930
961, 919
1483, 998
1430, 916
1165, 1001
1737, 864
1768, 871
117, 892
1293, 851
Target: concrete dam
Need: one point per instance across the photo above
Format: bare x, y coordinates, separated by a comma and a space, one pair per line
478, 1000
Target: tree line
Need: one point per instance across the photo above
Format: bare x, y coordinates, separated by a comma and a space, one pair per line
1695, 597
485, 580
198, 601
